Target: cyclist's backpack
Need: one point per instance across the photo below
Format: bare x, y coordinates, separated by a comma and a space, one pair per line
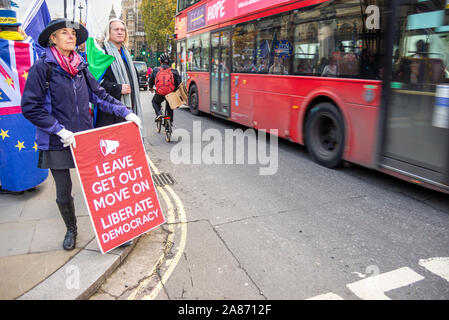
165, 82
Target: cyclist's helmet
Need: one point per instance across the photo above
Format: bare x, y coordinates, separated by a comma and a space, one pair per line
165, 58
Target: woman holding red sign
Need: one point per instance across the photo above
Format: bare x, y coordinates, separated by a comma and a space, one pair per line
56, 100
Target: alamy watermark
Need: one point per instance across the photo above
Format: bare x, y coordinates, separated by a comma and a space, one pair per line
372, 22
72, 281
232, 148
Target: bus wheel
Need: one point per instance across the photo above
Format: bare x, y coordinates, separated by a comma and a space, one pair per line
325, 135
193, 100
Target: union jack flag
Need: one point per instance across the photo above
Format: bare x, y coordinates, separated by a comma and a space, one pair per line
18, 149
16, 59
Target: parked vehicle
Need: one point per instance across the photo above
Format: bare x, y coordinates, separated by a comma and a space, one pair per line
142, 70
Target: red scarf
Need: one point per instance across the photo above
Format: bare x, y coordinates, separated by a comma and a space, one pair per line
69, 64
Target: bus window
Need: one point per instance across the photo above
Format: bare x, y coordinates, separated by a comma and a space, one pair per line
198, 52
332, 40
215, 41
274, 45
421, 55
243, 48
416, 129
183, 4
183, 59
266, 37
194, 53
306, 49
205, 52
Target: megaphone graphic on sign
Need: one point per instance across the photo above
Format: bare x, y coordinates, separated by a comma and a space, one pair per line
108, 147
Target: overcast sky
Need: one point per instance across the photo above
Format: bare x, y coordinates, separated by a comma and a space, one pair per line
101, 10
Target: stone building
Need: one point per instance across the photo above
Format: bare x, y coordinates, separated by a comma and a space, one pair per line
5, 4
132, 17
112, 14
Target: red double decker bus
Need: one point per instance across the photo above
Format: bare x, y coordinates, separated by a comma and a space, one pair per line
363, 81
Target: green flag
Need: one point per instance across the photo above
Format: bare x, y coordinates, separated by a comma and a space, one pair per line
98, 60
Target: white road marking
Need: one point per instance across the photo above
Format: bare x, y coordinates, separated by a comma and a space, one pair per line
438, 266
327, 296
371, 288
374, 288
361, 275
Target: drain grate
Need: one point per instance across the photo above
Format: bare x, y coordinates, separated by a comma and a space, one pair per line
163, 179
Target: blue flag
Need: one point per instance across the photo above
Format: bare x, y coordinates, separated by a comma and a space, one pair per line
18, 149
264, 50
36, 19
273, 47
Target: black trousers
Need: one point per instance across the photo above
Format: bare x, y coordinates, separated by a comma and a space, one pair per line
105, 119
157, 105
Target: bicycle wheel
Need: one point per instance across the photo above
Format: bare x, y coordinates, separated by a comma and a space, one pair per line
158, 126
168, 131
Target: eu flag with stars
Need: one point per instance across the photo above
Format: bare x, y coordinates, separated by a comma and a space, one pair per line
18, 150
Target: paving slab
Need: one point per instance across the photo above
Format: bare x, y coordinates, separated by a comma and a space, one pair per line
41, 204
22, 272
49, 234
10, 209
77, 279
16, 238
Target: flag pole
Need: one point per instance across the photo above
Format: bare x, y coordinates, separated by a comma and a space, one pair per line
65, 9
87, 12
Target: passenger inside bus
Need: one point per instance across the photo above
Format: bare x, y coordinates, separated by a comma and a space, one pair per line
223, 67
396, 61
331, 70
350, 64
368, 66
418, 68
321, 65
249, 65
277, 67
421, 49
236, 63
262, 65
304, 67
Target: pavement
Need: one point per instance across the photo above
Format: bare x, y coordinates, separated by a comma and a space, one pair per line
33, 264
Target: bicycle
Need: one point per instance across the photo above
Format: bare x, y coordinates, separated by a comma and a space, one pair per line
166, 123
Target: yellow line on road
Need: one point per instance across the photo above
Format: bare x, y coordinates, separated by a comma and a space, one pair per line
181, 248
153, 167
171, 220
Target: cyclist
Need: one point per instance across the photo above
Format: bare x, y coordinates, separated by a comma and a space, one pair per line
166, 80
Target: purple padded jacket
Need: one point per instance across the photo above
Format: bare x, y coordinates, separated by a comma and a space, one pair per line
65, 104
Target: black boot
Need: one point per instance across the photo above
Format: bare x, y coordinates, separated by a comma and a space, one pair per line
67, 211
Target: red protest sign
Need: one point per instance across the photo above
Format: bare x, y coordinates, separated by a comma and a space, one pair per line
117, 183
